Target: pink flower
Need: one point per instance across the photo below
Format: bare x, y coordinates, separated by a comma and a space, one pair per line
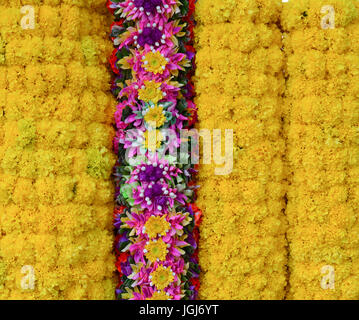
148, 9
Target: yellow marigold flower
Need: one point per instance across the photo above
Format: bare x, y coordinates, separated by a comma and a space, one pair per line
155, 116
160, 295
151, 91
157, 226
156, 249
154, 62
162, 277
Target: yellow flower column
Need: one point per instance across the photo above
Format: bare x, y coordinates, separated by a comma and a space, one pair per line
322, 119
239, 82
56, 196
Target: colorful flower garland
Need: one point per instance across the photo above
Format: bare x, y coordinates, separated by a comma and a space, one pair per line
155, 218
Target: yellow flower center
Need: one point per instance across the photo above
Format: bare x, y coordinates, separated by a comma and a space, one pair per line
160, 296
155, 117
154, 62
156, 249
156, 225
150, 92
153, 140
162, 277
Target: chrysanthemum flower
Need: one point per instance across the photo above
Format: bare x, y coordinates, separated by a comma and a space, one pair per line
156, 250
154, 62
160, 64
143, 115
162, 277
154, 170
150, 91
155, 116
156, 226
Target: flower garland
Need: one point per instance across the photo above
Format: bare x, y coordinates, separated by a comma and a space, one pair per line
322, 100
56, 159
239, 83
155, 218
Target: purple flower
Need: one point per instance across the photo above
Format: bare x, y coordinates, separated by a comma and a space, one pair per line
126, 268
123, 238
151, 173
117, 223
149, 36
190, 55
190, 239
155, 191
148, 5
118, 292
194, 294
161, 201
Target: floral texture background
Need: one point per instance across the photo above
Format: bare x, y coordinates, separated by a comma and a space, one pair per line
90, 224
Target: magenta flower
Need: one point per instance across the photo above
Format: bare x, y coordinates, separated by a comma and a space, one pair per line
152, 34
147, 9
154, 171
156, 196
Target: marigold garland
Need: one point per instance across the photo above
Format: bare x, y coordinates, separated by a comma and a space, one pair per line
239, 83
56, 197
156, 219
322, 101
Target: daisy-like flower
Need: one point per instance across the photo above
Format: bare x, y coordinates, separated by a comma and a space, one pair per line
154, 116
147, 90
150, 91
149, 225
162, 277
159, 64
156, 226
154, 62
156, 250
164, 114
